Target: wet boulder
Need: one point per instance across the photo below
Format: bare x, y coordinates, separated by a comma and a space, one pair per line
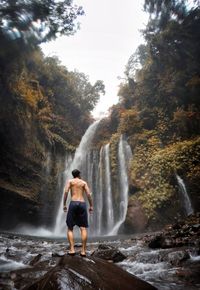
35, 260
109, 253
178, 257
88, 274
183, 233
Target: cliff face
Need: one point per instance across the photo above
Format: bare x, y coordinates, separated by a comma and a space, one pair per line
38, 128
28, 174
155, 172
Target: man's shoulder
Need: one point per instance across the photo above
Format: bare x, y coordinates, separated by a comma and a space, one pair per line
83, 182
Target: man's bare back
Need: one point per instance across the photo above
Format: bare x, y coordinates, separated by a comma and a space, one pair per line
77, 187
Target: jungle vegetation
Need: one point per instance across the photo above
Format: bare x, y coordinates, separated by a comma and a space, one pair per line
159, 102
38, 89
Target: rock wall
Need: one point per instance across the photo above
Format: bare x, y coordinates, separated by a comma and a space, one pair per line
29, 171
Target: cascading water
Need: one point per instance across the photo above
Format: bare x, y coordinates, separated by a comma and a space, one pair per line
60, 186
94, 165
108, 192
82, 162
102, 220
98, 198
187, 203
124, 156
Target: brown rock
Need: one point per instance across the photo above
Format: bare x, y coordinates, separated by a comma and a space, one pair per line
109, 253
35, 260
88, 274
136, 220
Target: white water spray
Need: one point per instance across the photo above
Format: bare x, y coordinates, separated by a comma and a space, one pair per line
187, 203
124, 156
108, 191
99, 195
79, 162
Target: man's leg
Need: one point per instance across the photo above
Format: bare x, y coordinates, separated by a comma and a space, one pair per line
84, 240
70, 237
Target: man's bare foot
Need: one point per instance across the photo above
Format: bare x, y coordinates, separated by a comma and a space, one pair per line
70, 253
83, 254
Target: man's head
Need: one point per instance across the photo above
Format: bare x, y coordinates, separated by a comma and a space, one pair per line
76, 173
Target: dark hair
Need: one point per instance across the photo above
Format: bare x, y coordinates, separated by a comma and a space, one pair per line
76, 173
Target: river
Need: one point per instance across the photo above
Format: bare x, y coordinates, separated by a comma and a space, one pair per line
26, 257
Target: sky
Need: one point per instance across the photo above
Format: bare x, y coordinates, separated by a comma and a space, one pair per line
109, 35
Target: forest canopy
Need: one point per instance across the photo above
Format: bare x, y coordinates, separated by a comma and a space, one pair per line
57, 100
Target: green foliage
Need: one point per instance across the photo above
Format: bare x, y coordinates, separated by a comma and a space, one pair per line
164, 10
187, 122
130, 122
113, 155
25, 24
103, 133
56, 102
153, 170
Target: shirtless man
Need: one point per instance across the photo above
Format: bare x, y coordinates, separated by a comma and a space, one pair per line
77, 211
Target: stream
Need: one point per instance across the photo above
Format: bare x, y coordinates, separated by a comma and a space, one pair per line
26, 257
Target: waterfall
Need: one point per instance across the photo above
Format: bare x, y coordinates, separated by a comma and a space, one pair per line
103, 216
99, 196
109, 210
82, 162
187, 203
59, 226
108, 192
48, 164
46, 172
124, 156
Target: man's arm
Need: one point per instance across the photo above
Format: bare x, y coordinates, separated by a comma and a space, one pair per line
66, 190
89, 197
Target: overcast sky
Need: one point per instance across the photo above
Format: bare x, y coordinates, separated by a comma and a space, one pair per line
108, 36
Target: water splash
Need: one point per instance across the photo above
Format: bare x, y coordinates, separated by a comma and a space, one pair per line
108, 191
187, 203
99, 195
124, 156
80, 161
95, 168
59, 190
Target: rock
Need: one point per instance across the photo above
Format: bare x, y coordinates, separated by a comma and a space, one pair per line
156, 242
136, 220
196, 227
105, 247
22, 277
109, 253
58, 254
183, 233
35, 260
88, 274
190, 274
176, 258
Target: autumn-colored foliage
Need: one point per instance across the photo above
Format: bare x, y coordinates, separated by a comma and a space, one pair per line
158, 109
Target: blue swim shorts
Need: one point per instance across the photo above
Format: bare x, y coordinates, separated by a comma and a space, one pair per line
77, 215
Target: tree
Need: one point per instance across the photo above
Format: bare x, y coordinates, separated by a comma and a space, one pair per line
24, 24
37, 21
86, 95
164, 10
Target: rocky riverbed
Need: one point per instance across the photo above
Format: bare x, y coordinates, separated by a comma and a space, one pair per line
168, 260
